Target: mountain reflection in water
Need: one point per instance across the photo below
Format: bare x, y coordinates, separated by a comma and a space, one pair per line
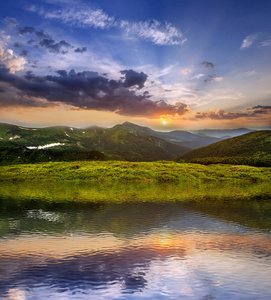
132, 251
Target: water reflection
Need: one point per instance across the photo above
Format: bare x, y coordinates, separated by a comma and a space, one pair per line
131, 251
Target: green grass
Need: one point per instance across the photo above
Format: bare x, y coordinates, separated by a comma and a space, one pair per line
119, 171
235, 160
115, 181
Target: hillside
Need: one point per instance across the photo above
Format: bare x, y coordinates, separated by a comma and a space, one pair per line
22, 155
121, 144
254, 144
178, 137
114, 143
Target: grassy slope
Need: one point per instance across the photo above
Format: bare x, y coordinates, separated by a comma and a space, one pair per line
114, 181
253, 144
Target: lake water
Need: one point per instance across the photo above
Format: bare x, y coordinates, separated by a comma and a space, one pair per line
135, 251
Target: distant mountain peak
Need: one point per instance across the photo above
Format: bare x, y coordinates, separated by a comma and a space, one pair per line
130, 124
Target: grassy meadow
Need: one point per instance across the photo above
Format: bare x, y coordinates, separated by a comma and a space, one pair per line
117, 181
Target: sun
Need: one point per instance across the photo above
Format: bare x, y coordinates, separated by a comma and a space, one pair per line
164, 122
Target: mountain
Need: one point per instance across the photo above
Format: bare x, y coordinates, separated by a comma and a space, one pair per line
223, 133
119, 144
115, 143
125, 141
255, 144
178, 137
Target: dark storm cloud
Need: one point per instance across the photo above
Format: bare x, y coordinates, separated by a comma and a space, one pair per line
133, 78
80, 50
54, 47
208, 64
24, 53
250, 112
87, 90
25, 30
62, 72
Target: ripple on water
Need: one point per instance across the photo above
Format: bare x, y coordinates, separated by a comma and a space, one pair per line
139, 251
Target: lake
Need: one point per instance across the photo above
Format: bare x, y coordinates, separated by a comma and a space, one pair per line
135, 251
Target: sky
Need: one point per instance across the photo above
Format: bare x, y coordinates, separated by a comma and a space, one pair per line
193, 64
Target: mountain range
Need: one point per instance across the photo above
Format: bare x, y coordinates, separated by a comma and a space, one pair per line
125, 141
178, 137
222, 133
115, 143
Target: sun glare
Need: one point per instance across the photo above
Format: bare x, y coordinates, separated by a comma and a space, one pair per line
164, 122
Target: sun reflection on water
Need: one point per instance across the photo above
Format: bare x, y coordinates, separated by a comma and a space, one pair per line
167, 253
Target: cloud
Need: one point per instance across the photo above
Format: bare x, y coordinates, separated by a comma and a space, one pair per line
159, 33
10, 23
80, 17
9, 20
208, 64
54, 47
41, 34
46, 41
17, 45
210, 78
80, 50
197, 76
248, 73
248, 41
266, 43
11, 61
25, 30
217, 78
251, 112
4, 39
133, 78
88, 90
260, 109
31, 42
154, 31
186, 71
24, 53
13, 100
